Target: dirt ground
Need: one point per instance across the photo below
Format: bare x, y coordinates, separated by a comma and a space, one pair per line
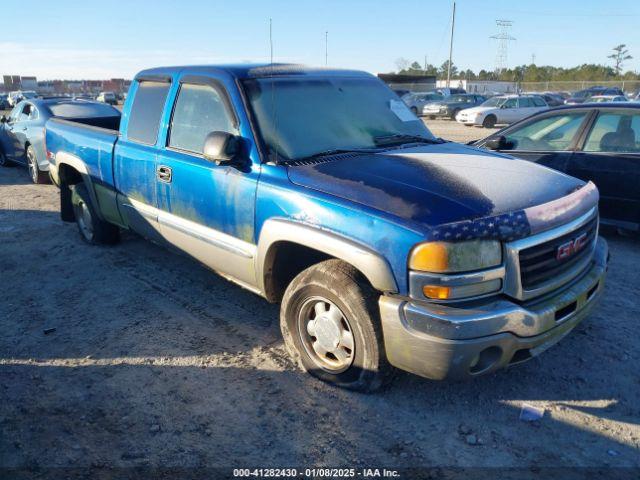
131, 356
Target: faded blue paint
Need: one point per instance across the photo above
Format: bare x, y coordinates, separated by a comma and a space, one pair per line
387, 201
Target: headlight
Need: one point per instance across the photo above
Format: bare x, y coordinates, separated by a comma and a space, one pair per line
455, 271
448, 257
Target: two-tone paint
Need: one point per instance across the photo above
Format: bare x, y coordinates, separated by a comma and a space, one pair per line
369, 209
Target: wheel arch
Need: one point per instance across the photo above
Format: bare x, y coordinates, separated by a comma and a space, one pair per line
71, 170
286, 247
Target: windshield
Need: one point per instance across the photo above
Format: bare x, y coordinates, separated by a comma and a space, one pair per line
458, 98
300, 117
82, 110
29, 94
494, 102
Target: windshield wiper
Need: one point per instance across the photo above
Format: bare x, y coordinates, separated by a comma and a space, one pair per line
335, 151
401, 139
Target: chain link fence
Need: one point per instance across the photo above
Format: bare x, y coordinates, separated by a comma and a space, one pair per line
628, 86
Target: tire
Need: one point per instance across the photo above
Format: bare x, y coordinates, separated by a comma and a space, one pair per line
414, 110
432, 117
4, 161
338, 295
489, 122
454, 113
37, 175
92, 229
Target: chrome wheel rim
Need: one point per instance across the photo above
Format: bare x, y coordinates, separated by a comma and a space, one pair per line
326, 335
83, 216
33, 167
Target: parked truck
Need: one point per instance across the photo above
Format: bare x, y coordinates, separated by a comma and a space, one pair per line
319, 189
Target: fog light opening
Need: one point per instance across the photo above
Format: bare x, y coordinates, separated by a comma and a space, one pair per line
485, 360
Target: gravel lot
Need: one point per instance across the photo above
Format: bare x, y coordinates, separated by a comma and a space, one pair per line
456, 132
151, 360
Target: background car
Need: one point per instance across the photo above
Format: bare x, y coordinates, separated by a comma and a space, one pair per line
592, 141
19, 95
22, 133
107, 97
451, 106
504, 109
417, 101
607, 98
584, 95
552, 99
4, 101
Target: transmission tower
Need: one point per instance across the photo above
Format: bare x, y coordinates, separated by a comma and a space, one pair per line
503, 37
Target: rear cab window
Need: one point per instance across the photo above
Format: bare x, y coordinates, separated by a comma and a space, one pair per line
146, 111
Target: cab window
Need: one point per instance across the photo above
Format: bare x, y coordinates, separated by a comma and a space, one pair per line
146, 111
554, 133
199, 110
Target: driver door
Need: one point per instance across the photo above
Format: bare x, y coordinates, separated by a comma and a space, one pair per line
508, 111
207, 210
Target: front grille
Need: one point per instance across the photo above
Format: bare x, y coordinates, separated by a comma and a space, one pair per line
539, 264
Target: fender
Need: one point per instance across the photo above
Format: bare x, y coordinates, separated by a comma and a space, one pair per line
373, 266
64, 158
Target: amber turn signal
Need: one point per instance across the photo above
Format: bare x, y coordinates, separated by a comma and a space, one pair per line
436, 292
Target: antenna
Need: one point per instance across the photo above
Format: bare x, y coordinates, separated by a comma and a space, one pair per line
271, 40
503, 37
326, 48
453, 23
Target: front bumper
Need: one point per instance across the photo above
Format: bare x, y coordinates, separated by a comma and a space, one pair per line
441, 341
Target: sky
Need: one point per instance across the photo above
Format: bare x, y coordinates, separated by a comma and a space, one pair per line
96, 39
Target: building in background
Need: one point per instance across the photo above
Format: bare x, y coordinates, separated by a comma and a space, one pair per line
482, 87
411, 83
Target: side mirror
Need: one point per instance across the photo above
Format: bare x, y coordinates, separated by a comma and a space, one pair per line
496, 143
221, 148
3, 119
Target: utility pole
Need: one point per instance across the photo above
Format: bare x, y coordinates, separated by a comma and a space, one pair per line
425, 64
326, 48
453, 23
533, 59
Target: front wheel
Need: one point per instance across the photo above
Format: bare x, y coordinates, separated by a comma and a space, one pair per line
37, 175
92, 229
330, 323
455, 113
489, 122
414, 110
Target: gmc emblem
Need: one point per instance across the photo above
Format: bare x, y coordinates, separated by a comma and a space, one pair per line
572, 246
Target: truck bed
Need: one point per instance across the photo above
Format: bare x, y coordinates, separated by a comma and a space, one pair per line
90, 139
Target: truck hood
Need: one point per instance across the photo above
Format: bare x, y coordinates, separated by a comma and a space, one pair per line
436, 184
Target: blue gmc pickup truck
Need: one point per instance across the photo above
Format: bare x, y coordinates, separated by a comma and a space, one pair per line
319, 189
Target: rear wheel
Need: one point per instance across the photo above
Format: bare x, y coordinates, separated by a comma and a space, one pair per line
489, 122
92, 229
330, 323
37, 175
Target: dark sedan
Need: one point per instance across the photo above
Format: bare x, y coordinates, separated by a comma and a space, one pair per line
450, 106
598, 142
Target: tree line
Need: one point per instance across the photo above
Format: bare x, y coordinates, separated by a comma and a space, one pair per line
531, 72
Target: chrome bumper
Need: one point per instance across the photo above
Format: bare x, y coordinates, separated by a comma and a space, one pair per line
442, 341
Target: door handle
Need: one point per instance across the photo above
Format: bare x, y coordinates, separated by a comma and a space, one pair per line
164, 173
